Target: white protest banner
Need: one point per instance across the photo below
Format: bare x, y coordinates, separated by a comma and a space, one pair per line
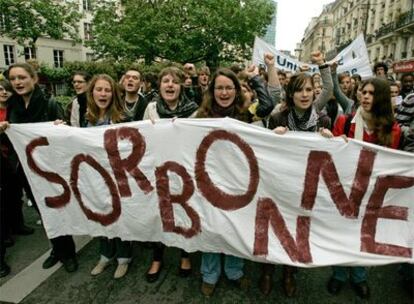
353, 59
224, 186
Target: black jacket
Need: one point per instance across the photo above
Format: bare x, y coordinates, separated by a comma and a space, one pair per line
40, 108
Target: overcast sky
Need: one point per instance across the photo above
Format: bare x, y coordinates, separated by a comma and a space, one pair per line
293, 17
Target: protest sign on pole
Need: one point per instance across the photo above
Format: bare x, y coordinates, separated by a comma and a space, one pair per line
353, 59
219, 185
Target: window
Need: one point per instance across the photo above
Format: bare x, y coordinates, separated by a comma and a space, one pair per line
8, 54
87, 5
87, 31
60, 89
58, 58
29, 53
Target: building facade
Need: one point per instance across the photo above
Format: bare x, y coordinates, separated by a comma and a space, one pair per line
318, 35
387, 25
49, 51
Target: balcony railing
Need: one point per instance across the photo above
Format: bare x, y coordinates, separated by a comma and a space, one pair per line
406, 19
385, 29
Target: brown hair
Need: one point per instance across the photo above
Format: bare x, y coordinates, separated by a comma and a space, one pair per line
382, 113
204, 70
6, 85
174, 72
115, 108
296, 83
205, 109
25, 66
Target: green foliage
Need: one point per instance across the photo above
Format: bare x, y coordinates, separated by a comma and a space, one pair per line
63, 100
179, 30
26, 20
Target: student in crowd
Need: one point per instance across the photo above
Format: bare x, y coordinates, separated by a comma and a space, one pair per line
224, 98
345, 83
77, 108
396, 98
373, 122
29, 105
260, 97
355, 80
381, 70
407, 84
341, 103
150, 87
134, 102
316, 77
405, 114
172, 102
303, 113
317, 88
282, 78
6, 202
203, 77
104, 107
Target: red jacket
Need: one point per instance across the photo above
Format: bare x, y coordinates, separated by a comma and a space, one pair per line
371, 138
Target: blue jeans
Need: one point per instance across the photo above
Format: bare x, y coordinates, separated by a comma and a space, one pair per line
358, 273
211, 267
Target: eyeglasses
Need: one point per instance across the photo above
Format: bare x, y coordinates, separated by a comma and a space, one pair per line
134, 77
78, 81
222, 89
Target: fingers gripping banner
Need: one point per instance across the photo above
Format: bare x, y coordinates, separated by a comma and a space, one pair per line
219, 185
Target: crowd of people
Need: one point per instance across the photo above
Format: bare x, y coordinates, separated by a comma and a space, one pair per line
379, 110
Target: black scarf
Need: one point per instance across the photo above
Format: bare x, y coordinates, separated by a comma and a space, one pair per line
184, 109
217, 111
37, 111
82, 101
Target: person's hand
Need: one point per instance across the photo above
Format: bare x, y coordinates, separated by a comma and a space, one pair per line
3, 126
317, 57
344, 137
304, 68
252, 71
280, 130
325, 132
334, 66
59, 122
190, 69
269, 59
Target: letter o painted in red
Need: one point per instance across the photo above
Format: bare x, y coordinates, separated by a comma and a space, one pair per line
104, 219
211, 192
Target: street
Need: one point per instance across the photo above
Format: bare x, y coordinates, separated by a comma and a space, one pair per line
29, 283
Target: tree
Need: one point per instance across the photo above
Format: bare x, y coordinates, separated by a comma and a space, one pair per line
26, 20
179, 30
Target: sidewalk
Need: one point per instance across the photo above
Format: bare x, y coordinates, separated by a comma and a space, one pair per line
80, 287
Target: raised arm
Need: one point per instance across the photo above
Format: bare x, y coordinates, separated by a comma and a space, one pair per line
266, 103
345, 102
273, 85
327, 90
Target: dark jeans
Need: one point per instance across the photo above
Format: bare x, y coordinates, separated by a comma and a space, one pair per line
158, 252
63, 247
